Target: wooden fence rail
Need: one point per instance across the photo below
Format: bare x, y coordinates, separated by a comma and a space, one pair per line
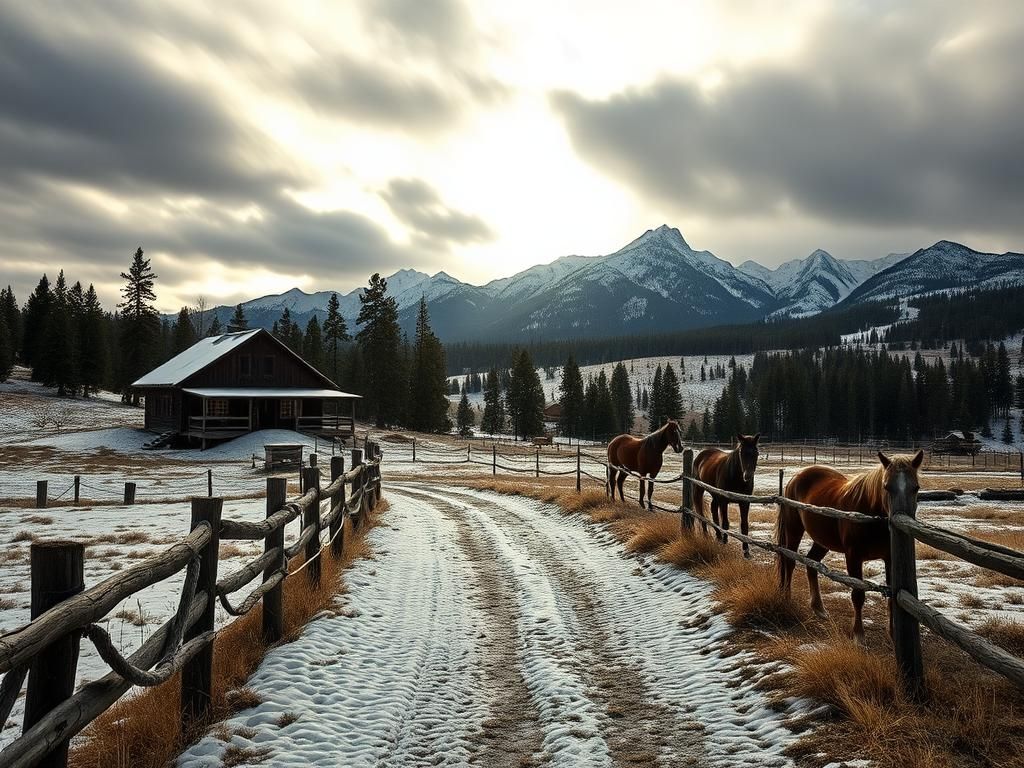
904, 529
46, 649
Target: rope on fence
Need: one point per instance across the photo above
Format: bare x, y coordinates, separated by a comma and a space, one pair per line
62, 494
174, 654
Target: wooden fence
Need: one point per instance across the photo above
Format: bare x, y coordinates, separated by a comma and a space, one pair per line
909, 612
63, 610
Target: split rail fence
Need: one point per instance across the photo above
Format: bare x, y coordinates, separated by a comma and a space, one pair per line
909, 612
63, 610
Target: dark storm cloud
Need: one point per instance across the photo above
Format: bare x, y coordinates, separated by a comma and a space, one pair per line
418, 206
888, 119
95, 114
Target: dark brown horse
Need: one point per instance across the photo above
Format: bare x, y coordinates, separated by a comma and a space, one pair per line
731, 471
867, 493
642, 455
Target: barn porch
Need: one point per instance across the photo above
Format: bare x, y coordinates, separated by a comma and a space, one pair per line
222, 413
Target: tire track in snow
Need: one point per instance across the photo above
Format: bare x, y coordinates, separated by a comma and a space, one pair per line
660, 618
637, 728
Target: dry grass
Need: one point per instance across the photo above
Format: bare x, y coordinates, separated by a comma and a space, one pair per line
23, 536
6, 604
143, 730
1012, 538
971, 718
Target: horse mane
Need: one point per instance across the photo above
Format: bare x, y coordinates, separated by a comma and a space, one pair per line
652, 440
866, 491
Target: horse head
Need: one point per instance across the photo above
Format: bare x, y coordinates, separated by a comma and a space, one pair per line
899, 479
674, 435
746, 446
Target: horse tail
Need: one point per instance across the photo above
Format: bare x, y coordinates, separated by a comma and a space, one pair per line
781, 522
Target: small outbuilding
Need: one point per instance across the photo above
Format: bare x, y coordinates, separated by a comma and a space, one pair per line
229, 385
957, 442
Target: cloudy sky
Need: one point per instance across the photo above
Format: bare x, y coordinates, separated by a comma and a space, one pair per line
254, 146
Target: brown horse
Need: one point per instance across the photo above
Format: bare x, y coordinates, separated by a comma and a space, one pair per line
642, 455
731, 471
867, 493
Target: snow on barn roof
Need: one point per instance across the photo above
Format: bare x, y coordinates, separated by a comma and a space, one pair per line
193, 359
285, 392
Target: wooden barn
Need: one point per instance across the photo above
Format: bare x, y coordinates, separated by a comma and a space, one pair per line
226, 386
961, 443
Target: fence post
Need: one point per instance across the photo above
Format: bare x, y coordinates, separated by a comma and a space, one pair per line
357, 461
41, 494
371, 477
58, 572
469, 451
536, 456
414, 450
273, 613
129, 494
209, 482
78, 486
1021, 467
311, 517
197, 675
337, 504
686, 522
494, 460
781, 474
906, 633
577, 469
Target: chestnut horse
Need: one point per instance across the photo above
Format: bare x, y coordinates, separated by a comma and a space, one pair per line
867, 493
731, 471
642, 455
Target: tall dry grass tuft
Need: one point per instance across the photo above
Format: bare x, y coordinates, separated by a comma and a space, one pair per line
692, 548
648, 533
749, 593
143, 730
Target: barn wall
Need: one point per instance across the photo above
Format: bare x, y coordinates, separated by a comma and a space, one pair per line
248, 366
163, 410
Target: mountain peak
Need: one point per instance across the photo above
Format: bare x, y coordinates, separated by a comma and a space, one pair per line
666, 232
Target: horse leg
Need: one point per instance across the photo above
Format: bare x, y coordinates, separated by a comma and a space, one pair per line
713, 508
620, 482
698, 507
641, 493
723, 509
745, 526
789, 532
855, 567
816, 552
609, 481
650, 493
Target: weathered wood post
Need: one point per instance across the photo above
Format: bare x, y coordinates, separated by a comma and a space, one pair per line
311, 517
209, 482
906, 633
41, 486
1021, 454
78, 486
414, 450
469, 451
273, 610
494, 460
337, 507
782, 472
357, 461
536, 456
686, 522
58, 572
197, 674
129, 494
577, 469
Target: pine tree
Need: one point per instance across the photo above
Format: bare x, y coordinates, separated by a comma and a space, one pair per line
58, 354
693, 433
571, 399
6, 351
215, 327
140, 324
92, 343
493, 419
284, 327
525, 400
238, 321
706, 425
184, 333
428, 405
656, 409
12, 321
312, 344
671, 398
37, 308
622, 400
1007, 433
379, 338
604, 410
464, 416
335, 332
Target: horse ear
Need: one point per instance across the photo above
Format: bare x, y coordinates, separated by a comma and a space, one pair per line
757, 437
918, 459
886, 461
739, 438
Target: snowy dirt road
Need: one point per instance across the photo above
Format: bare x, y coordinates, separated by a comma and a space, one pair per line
494, 630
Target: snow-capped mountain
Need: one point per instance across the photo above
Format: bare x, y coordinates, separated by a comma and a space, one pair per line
941, 267
655, 283
820, 281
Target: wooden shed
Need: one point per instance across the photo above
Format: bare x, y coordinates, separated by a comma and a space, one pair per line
235, 383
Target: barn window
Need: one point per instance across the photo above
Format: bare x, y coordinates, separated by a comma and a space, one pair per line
245, 365
268, 366
287, 409
217, 407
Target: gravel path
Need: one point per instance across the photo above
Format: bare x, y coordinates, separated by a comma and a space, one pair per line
495, 631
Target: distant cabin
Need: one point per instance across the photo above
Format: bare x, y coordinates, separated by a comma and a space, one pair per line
957, 442
229, 385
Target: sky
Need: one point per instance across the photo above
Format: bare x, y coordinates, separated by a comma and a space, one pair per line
254, 146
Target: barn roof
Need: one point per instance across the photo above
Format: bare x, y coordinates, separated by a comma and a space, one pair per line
285, 392
194, 359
